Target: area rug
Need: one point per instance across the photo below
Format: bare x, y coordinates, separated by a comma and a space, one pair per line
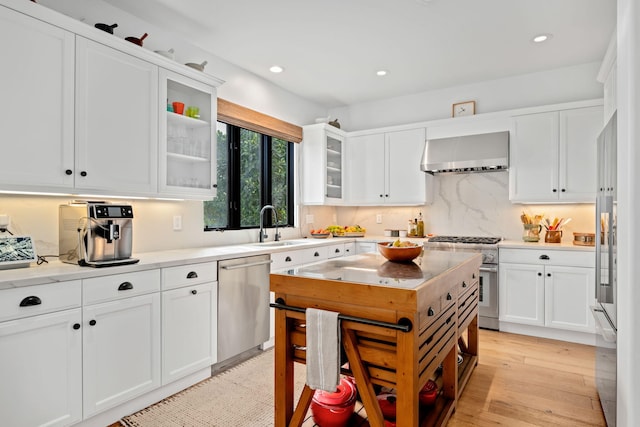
241, 396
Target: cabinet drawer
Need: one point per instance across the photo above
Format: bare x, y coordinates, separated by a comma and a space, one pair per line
544, 257
186, 275
335, 251
295, 258
117, 286
39, 299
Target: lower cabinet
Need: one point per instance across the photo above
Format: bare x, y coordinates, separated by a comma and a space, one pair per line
549, 288
121, 351
41, 369
189, 316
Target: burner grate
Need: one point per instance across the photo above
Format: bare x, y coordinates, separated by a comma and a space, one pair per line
466, 239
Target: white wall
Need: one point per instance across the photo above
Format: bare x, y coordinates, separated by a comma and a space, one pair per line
529, 90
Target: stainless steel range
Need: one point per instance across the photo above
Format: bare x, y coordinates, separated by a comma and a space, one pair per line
488, 247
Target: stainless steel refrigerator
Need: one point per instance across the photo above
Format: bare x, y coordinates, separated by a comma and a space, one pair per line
604, 310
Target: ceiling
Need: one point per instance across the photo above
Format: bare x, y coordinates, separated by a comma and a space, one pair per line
331, 49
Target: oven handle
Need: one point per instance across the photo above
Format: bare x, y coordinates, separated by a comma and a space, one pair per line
489, 269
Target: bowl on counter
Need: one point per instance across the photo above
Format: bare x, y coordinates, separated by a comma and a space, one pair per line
404, 254
320, 235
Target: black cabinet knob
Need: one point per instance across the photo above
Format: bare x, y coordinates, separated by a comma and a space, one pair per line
449, 297
539, 274
76, 326
563, 190
430, 312
381, 195
192, 275
194, 292
337, 251
464, 284
555, 190
92, 322
287, 259
316, 254
68, 171
215, 186
548, 274
83, 173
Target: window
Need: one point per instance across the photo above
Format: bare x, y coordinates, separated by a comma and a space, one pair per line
253, 170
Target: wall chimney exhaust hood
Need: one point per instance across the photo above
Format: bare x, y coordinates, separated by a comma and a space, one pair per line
487, 152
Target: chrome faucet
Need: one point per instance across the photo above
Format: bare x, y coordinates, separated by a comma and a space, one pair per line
264, 235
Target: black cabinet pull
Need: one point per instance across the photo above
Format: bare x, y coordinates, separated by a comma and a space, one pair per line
563, 190
548, 274
316, 254
449, 297
539, 274
30, 300
194, 292
463, 304
337, 251
555, 190
125, 286
83, 173
68, 171
287, 259
92, 322
215, 186
473, 276
544, 257
192, 275
464, 284
76, 326
430, 312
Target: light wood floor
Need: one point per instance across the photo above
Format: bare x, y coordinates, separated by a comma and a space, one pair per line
527, 381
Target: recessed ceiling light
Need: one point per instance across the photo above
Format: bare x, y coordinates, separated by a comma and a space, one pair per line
381, 72
541, 38
276, 69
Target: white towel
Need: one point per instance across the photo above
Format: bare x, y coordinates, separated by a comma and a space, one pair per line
323, 349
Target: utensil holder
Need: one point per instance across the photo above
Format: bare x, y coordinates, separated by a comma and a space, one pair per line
553, 236
531, 232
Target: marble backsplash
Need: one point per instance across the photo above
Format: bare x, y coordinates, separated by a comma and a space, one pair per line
474, 204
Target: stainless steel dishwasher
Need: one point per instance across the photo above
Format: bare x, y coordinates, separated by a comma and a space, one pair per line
243, 304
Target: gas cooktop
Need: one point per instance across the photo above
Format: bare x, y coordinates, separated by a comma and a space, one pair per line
465, 239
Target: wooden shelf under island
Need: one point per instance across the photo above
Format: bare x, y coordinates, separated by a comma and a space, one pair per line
401, 325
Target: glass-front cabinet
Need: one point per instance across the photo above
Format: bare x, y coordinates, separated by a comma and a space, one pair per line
322, 155
187, 153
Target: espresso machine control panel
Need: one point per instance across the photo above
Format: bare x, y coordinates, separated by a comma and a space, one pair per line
110, 211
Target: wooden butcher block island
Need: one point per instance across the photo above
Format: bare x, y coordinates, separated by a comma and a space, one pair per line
401, 325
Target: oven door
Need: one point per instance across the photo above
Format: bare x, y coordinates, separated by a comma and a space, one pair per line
488, 301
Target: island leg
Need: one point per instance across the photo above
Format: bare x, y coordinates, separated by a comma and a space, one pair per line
283, 370
407, 381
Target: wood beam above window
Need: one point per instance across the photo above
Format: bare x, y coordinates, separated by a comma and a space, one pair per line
237, 115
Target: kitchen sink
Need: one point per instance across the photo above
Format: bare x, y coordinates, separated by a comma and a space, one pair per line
279, 244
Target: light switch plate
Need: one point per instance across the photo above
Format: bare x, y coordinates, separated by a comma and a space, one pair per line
379, 219
177, 222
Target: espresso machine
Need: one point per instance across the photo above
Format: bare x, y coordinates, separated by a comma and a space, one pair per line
96, 234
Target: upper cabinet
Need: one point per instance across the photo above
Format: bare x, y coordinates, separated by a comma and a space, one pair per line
553, 156
86, 113
116, 120
322, 163
382, 165
187, 155
37, 106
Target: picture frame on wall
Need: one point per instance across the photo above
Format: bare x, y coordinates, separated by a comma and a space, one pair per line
466, 108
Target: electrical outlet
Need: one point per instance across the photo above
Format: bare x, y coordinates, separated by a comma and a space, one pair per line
177, 222
310, 219
379, 219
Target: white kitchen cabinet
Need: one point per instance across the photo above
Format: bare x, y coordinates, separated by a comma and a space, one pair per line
322, 164
384, 169
116, 121
364, 247
550, 288
187, 155
553, 156
41, 348
189, 316
121, 339
37, 105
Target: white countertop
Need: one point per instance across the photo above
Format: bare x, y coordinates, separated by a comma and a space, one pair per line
519, 244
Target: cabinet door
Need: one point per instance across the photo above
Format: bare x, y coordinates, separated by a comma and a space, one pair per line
406, 183
116, 121
579, 130
569, 291
533, 163
521, 293
367, 170
322, 161
121, 348
187, 155
36, 83
188, 330
41, 370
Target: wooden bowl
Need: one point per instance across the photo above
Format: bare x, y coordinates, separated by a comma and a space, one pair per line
399, 254
320, 235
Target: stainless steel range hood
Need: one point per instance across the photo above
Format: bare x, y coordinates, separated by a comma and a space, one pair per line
485, 152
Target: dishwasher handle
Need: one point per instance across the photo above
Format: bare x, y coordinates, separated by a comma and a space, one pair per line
247, 265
